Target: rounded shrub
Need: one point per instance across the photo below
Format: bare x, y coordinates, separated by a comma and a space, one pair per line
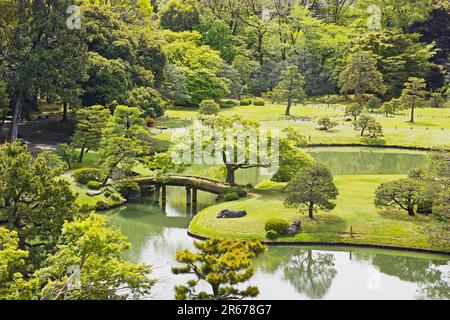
94, 185
115, 197
209, 107
84, 176
229, 103
101, 205
280, 226
127, 189
246, 102
232, 196
271, 234
259, 102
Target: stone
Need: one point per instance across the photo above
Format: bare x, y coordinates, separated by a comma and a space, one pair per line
94, 193
229, 214
294, 228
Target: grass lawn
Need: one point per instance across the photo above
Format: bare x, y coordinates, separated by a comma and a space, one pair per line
432, 126
354, 209
90, 160
267, 112
345, 134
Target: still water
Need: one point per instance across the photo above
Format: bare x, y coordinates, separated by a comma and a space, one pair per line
293, 272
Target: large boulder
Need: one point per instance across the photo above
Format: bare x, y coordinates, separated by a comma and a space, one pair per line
294, 228
228, 214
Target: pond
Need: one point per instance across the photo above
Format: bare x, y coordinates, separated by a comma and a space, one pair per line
341, 161
348, 161
293, 272
287, 272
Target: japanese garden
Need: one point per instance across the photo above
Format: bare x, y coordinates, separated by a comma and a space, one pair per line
224, 150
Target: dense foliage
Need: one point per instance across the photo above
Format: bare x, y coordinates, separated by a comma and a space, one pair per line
223, 264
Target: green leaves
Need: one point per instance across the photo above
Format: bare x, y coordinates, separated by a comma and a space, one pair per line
221, 263
33, 200
125, 140
12, 261
361, 75
89, 264
313, 187
403, 193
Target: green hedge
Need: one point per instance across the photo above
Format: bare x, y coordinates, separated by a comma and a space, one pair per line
94, 185
280, 226
84, 176
271, 234
259, 102
246, 102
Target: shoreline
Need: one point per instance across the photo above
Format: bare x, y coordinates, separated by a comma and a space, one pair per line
360, 145
333, 244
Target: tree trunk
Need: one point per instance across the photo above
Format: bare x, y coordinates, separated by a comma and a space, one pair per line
230, 174
358, 97
411, 211
106, 180
17, 112
260, 53
289, 105
65, 117
80, 158
215, 289
311, 210
413, 105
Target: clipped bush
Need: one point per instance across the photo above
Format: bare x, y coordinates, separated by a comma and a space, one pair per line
230, 196
128, 189
84, 176
246, 102
116, 198
259, 102
280, 226
271, 234
229, 103
94, 185
209, 107
101, 205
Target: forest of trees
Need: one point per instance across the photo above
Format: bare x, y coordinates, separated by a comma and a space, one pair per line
154, 54
118, 65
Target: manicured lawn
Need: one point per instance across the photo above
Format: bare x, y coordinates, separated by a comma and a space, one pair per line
345, 134
432, 126
90, 160
267, 112
354, 209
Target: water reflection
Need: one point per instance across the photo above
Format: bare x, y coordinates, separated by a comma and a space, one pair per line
345, 161
157, 232
341, 161
311, 273
352, 273
288, 272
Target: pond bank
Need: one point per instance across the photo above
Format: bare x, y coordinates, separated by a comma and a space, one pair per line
361, 145
371, 227
333, 244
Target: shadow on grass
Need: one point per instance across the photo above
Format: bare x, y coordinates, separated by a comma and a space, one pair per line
422, 124
325, 227
373, 141
398, 215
